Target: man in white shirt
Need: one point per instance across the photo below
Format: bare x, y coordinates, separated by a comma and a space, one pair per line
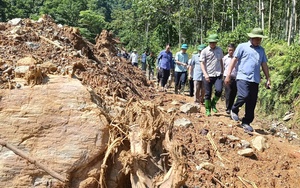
134, 57
230, 89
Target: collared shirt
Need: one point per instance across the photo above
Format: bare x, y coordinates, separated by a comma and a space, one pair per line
196, 67
249, 62
226, 62
212, 58
144, 57
165, 60
183, 58
134, 58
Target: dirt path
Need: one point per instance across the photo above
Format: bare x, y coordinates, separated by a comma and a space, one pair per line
277, 166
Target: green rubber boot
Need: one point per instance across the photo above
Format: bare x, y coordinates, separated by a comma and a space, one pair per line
213, 104
207, 107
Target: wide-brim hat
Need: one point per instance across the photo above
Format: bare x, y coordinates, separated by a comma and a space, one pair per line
134, 50
257, 33
212, 38
184, 46
201, 46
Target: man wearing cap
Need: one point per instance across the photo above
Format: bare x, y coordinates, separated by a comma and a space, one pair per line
249, 57
181, 64
134, 57
197, 75
164, 61
212, 68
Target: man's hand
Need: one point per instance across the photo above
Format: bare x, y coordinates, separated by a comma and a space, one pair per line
207, 78
227, 80
268, 84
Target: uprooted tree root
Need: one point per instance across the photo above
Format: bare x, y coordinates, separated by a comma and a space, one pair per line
153, 159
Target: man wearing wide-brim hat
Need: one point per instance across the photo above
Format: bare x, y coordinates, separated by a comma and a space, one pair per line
248, 57
212, 67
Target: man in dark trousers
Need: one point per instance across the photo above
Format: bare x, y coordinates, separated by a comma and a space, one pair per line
249, 57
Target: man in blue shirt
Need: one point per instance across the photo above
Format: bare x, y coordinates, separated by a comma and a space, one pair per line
249, 57
197, 76
144, 59
164, 61
180, 72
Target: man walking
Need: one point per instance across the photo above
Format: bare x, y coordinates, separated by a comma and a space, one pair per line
181, 63
164, 60
143, 60
197, 75
212, 68
249, 57
134, 56
230, 89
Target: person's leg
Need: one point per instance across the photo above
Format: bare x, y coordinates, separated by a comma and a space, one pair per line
177, 78
208, 91
165, 77
227, 97
197, 88
182, 81
232, 94
135, 64
242, 97
218, 92
250, 104
191, 83
202, 92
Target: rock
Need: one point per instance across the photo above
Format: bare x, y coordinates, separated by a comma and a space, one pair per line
185, 123
288, 117
57, 124
246, 152
244, 144
15, 21
171, 110
207, 166
175, 103
26, 61
189, 108
32, 45
232, 138
20, 71
259, 143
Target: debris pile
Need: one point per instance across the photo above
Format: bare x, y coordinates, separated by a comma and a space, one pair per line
140, 133
48, 48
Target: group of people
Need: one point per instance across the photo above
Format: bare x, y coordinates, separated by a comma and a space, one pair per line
208, 68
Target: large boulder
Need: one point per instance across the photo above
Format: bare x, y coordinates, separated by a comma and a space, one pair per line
57, 125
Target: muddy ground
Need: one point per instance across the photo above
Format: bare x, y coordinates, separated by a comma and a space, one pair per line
208, 155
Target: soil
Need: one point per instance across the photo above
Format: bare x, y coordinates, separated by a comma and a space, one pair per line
98, 67
278, 166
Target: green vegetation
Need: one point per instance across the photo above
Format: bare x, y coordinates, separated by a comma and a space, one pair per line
150, 24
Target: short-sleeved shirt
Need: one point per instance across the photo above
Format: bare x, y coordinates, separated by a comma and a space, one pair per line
212, 58
183, 58
196, 67
250, 59
134, 58
165, 59
226, 62
144, 57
